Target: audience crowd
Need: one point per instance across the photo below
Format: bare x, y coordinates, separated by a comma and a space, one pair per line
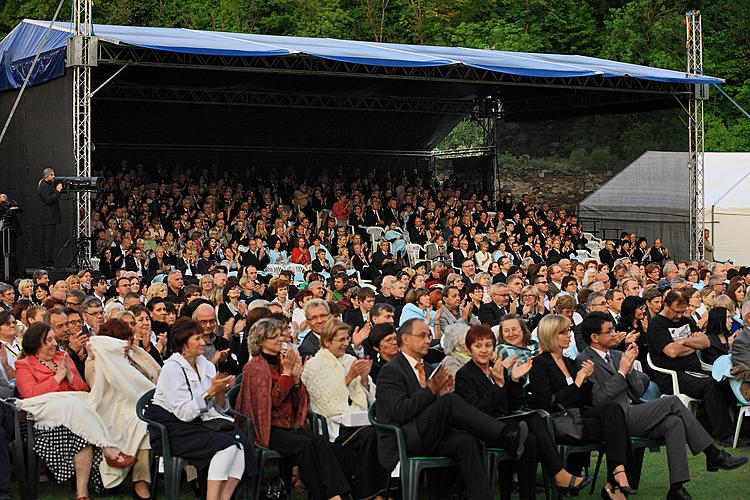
288, 300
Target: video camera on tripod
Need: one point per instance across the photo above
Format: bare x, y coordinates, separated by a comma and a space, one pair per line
80, 184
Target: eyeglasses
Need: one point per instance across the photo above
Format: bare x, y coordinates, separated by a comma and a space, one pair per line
207, 322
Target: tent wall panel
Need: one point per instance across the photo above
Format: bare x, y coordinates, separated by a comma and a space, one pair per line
39, 136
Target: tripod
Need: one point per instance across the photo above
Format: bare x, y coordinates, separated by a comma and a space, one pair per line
80, 259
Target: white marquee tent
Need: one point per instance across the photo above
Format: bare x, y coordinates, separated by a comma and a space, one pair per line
650, 197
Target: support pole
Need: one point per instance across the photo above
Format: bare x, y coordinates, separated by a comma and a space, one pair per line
82, 56
694, 46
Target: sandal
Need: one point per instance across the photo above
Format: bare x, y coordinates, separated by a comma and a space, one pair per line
121, 461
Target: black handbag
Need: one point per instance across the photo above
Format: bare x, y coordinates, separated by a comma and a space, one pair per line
568, 425
218, 424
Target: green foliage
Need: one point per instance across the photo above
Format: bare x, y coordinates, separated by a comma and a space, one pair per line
649, 32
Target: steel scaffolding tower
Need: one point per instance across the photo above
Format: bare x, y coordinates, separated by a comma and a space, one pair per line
82, 55
694, 46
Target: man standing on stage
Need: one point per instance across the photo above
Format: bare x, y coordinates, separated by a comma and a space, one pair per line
49, 215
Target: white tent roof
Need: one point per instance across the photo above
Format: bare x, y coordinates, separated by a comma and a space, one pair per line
727, 180
651, 197
659, 179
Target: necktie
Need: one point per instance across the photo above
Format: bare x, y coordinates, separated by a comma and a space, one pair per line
422, 375
608, 359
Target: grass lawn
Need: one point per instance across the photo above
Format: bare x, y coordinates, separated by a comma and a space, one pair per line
729, 485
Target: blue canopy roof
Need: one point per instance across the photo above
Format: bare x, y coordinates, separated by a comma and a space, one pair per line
18, 48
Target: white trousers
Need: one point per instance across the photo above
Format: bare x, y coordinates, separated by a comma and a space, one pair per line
229, 462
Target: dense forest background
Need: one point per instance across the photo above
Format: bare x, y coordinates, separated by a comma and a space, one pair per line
649, 32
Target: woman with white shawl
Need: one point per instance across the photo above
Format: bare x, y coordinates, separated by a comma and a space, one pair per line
119, 373
69, 435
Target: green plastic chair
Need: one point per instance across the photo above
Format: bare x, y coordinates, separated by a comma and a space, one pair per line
566, 450
492, 459
262, 455
172, 465
411, 467
21, 453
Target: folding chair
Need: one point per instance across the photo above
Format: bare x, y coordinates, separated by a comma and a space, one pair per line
410, 467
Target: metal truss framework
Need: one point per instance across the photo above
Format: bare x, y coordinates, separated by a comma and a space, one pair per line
304, 65
696, 136
187, 95
79, 57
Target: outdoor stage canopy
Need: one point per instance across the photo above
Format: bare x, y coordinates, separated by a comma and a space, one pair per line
276, 101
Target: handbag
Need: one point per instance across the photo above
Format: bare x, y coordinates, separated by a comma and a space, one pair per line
217, 424
568, 424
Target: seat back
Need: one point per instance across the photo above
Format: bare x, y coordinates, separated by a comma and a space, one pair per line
140, 410
722, 368
372, 417
412, 251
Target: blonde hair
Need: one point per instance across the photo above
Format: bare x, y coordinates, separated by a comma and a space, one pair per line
332, 326
725, 301
154, 289
548, 328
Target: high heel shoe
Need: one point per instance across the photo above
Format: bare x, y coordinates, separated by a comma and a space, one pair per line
626, 490
572, 488
608, 492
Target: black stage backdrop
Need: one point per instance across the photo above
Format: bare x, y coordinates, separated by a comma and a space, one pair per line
39, 136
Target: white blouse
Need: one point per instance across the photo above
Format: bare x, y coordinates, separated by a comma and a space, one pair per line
180, 390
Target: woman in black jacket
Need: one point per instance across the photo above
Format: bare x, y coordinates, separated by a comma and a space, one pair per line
498, 392
718, 333
556, 382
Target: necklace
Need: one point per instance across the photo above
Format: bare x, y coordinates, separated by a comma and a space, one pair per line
47, 364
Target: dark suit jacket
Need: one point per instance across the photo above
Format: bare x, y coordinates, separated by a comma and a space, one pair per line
260, 263
353, 317
230, 365
549, 389
49, 211
608, 385
309, 346
479, 391
132, 265
399, 399
182, 265
491, 314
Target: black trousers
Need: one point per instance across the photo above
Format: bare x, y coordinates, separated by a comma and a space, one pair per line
607, 423
358, 452
539, 446
317, 462
714, 402
452, 427
48, 243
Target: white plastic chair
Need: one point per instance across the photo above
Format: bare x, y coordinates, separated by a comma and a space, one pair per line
590, 237
690, 403
274, 269
412, 251
583, 255
376, 234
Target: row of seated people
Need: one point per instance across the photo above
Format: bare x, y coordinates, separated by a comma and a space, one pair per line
440, 412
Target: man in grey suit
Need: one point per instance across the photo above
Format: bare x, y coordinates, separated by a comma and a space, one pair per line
665, 419
741, 346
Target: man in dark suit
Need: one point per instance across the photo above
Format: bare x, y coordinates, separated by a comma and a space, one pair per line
666, 418
228, 357
317, 314
494, 311
49, 214
255, 256
136, 262
434, 420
